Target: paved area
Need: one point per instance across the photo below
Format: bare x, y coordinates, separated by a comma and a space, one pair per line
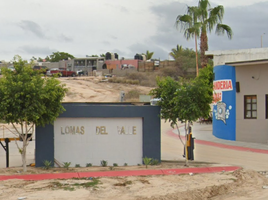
208, 148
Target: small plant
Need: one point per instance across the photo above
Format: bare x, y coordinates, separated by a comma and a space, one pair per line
104, 163
77, 165
139, 164
154, 162
115, 165
111, 168
147, 161
125, 164
89, 165
47, 164
66, 165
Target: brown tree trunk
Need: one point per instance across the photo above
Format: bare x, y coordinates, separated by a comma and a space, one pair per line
203, 48
196, 55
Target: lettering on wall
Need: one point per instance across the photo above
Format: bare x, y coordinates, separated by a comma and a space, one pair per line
219, 87
101, 130
127, 130
73, 130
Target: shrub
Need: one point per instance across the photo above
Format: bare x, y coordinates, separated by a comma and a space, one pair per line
154, 162
47, 164
115, 165
66, 165
89, 165
77, 165
104, 163
147, 161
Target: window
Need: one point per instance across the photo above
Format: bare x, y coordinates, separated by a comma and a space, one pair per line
250, 106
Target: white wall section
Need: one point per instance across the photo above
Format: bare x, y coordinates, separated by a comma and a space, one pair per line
90, 140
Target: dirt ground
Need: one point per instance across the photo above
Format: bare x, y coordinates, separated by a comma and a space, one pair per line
238, 185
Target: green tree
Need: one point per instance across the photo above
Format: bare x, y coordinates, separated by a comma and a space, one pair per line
28, 100
58, 56
148, 55
176, 52
200, 20
185, 58
183, 101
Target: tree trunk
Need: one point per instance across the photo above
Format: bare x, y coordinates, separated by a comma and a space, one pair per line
185, 145
23, 154
203, 48
196, 55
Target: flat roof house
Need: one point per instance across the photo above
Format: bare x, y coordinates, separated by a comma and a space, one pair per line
240, 110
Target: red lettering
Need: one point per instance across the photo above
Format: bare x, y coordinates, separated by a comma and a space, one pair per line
224, 85
230, 85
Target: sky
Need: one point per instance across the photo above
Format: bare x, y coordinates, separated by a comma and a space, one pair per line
88, 27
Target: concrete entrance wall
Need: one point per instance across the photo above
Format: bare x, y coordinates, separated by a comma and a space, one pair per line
90, 132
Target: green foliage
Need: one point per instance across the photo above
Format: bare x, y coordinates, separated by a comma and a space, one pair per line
149, 55
27, 97
66, 165
104, 163
58, 56
77, 165
185, 58
166, 92
47, 164
89, 165
115, 165
125, 164
184, 100
71, 187
132, 94
111, 168
147, 161
154, 162
206, 77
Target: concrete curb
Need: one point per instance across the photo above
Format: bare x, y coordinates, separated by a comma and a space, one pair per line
120, 173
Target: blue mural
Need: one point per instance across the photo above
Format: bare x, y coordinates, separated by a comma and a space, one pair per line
224, 102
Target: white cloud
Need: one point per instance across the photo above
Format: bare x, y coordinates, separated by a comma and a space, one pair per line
86, 27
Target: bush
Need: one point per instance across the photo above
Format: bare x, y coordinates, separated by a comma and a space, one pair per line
89, 165
66, 165
104, 163
47, 164
132, 94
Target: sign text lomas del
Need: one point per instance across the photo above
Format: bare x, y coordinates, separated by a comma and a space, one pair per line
100, 130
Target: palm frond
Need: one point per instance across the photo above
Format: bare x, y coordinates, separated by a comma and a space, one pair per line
184, 21
222, 28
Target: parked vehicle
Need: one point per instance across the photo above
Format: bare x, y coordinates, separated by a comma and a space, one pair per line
61, 72
42, 69
52, 71
12, 68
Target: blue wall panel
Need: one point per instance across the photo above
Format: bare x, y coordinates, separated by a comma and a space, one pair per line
224, 111
151, 126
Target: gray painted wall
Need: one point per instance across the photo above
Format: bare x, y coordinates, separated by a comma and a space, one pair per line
151, 126
252, 130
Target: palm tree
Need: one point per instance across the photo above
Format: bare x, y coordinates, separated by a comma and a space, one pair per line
191, 28
148, 55
176, 52
205, 19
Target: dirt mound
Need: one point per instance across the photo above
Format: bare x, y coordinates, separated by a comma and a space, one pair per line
242, 184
